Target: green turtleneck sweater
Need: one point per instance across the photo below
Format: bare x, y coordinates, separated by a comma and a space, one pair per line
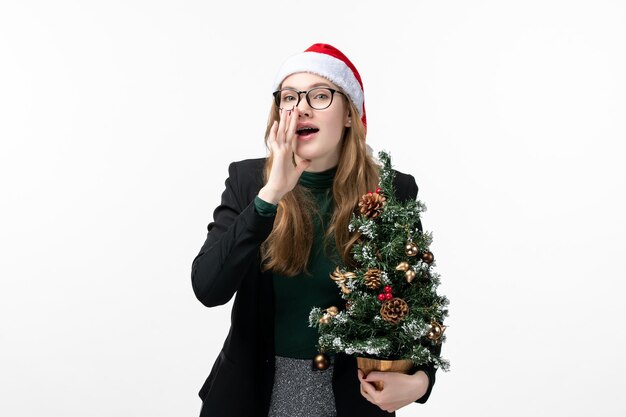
296, 296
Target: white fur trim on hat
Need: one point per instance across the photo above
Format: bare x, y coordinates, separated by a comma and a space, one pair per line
329, 67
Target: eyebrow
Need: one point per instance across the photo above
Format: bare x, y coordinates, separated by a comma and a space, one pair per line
311, 86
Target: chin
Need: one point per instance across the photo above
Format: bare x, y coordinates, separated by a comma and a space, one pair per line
307, 155
314, 153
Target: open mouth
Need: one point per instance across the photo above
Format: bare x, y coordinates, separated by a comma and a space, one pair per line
304, 132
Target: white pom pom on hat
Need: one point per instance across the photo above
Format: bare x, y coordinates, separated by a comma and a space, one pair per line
328, 62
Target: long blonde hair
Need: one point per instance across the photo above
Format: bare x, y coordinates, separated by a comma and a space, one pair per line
287, 249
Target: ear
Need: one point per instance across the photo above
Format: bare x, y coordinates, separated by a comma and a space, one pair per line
348, 122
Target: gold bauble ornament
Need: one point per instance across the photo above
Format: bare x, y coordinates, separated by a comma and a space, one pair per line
321, 361
428, 257
411, 249
403, 266
410, 275
333, 311
436, 331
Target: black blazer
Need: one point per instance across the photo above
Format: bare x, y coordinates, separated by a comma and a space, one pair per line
242, 377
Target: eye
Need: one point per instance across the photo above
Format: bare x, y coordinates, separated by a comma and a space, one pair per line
320, 94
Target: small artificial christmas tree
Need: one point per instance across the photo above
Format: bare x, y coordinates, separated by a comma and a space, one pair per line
393, 311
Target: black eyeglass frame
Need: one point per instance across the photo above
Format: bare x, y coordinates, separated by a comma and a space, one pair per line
276, 95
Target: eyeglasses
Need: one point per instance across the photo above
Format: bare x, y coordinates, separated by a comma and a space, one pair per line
318, 98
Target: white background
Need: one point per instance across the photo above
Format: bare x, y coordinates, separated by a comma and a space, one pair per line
117, 123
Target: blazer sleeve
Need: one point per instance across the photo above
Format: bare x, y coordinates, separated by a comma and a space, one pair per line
233, 240
406, 189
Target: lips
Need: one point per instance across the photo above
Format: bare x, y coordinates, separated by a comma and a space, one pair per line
306, 130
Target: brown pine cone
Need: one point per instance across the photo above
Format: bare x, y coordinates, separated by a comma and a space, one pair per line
372, 278
371, 205
394, 310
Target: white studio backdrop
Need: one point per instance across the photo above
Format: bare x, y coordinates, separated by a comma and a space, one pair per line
118, 121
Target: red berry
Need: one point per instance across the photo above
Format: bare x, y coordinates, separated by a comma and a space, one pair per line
388, 296
378, 190
369, 193
381, 297
388, 289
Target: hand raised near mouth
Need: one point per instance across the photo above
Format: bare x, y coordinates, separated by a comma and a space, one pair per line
284, 173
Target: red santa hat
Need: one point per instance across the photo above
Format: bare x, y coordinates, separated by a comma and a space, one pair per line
328, 62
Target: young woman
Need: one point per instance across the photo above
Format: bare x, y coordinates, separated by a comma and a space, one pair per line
281, 228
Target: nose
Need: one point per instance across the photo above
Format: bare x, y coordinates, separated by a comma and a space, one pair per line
303, 105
